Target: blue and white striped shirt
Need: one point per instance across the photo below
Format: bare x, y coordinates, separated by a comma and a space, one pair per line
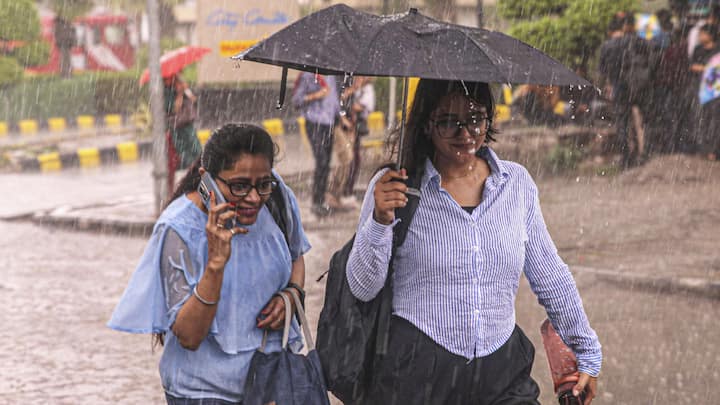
457, 274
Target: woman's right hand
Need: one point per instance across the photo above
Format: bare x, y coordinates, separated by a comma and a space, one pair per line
219, 238
389, 194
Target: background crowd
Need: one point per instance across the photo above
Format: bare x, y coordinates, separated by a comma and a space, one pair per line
657, 90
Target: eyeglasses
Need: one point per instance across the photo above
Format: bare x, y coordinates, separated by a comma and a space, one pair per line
241, 188
450, 127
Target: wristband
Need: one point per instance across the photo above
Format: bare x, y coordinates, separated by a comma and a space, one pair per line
300, 291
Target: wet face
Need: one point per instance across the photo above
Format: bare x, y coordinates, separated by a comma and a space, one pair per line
250, 175
458, 128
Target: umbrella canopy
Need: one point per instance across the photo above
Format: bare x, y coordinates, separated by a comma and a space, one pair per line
173, 62
341, 40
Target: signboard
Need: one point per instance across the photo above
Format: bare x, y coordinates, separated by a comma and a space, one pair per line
230, 26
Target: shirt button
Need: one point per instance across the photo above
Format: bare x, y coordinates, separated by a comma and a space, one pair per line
475, 281
476, 312
476, 248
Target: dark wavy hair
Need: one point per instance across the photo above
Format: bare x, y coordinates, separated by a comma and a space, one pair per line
223, 148
418, 144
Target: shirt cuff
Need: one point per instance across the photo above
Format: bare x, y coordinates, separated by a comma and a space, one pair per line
590, 366
377, 233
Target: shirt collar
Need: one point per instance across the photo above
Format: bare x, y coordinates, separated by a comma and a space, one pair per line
498, 169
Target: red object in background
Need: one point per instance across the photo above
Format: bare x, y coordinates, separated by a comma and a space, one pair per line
563, 365
174, 61
103, 43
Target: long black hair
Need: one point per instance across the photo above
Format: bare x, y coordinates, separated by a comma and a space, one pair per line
429, 92
221, 151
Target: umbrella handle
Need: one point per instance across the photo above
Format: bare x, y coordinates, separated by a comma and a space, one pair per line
283, 87
403, 118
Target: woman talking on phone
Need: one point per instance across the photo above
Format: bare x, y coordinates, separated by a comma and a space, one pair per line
207, 284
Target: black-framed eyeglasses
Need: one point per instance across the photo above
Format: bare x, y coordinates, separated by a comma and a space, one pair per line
450, 127
241, 189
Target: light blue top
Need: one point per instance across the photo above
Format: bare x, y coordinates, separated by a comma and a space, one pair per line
457, 274
322, 111
260, 266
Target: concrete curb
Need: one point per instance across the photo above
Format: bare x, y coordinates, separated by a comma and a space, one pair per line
661, 284
68, 217
129, 151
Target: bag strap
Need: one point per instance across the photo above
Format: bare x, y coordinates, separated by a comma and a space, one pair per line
405, 214
303, 320
288, 320
278, 209
286, 328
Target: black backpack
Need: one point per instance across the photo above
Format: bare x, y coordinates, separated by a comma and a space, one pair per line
353, 335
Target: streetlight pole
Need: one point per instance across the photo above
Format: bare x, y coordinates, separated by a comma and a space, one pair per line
480, 14
157, 112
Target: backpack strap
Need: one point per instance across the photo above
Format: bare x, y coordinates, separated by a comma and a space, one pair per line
405, 214
278, 209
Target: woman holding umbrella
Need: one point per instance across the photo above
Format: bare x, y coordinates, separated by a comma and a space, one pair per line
179, 107
478, 227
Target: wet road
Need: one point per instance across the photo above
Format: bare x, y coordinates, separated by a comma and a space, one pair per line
59, 287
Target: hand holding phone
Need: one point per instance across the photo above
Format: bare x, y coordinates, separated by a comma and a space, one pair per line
207, 185
220, 227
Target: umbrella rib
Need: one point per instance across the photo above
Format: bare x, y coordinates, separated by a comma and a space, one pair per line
365, 55
490, 55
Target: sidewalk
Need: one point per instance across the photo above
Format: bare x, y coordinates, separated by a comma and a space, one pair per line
129, 210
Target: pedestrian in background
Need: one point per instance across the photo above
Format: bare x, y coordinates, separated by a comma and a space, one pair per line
209, 292
317, 97
344, 139
674, 96
708, 114
478, 227
625, 63
183, 145
364, 104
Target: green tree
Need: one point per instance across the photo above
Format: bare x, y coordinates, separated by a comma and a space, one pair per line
19, 36
443, 10
568, 30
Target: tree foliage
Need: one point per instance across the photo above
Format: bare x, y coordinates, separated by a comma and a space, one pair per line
19, 20
568, 30
530, 9
33, 53
20, 43
10, 71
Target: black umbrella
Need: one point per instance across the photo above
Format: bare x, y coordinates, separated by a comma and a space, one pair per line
340, 40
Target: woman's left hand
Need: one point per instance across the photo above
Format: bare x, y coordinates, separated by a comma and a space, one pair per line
589, 384
273, 315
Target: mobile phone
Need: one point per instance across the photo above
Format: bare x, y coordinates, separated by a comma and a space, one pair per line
207, 184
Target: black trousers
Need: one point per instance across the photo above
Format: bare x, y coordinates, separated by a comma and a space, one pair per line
321, 141
417, 370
